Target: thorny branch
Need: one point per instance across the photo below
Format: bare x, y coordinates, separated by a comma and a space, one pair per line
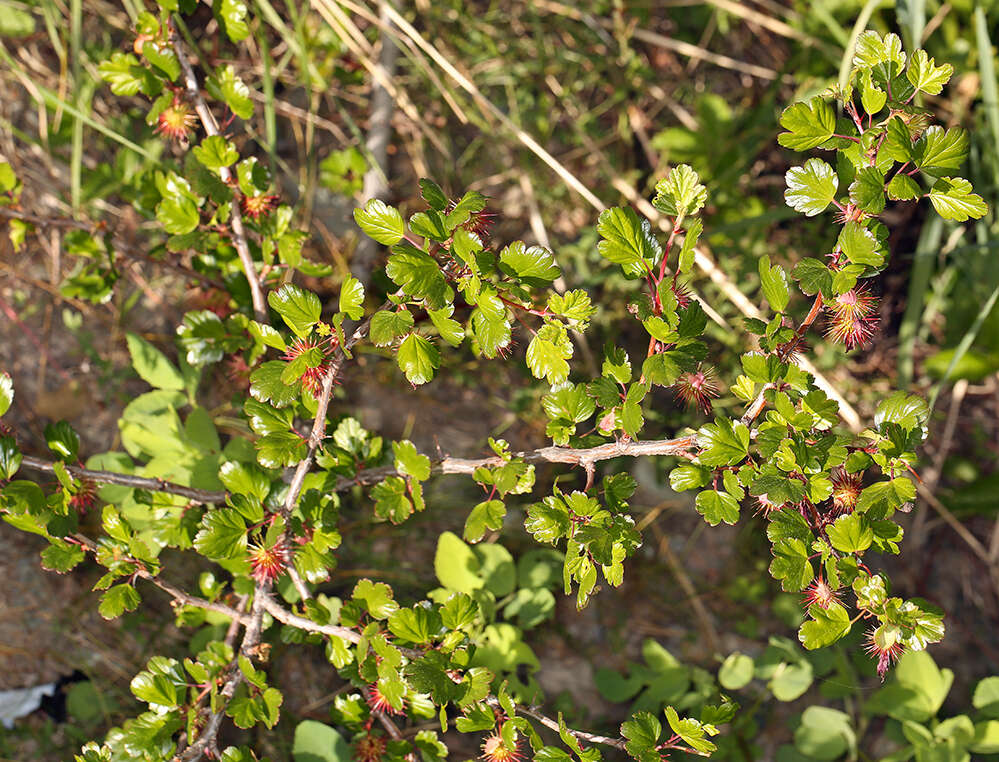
236, 220
251, 638
117, 241
679, 446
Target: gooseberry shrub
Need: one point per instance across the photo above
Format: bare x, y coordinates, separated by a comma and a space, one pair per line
263, 506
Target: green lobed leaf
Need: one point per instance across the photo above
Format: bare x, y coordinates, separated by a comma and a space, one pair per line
222, 534
867, 191
352, 298
215, 152
851, 533
162, 56
776, 287
548, 352
386, 327
723, 443
418, 274
860, 245
534, 266
117, 600
231, 15
810, 188
642, 732
680, 193
938, 151
925, 75
691, 731
299, 309
227, 87
717, 506
267, 385
488, 514
418, 358
381, 222
627, 240
953, 200
813, 277
127, 76
903, 188
808, 125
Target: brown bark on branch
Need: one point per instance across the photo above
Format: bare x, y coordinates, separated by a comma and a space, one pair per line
236, 220
586, 458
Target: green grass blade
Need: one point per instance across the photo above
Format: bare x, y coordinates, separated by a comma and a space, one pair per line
919, 278
912, 18
965, 344
858, 28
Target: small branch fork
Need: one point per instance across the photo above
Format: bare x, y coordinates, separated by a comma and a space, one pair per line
236, 220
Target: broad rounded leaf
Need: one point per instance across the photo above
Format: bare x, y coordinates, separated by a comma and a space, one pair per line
810, 188
380, 221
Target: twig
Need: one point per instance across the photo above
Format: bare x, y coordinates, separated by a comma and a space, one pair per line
693, 597
117, 241
236, 219
548, 722
955, 524
932, 477
679, 446
127, 480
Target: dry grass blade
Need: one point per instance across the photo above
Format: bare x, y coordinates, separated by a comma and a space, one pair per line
702, 259
743, 11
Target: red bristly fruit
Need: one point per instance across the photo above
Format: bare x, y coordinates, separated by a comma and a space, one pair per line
256, 207
369, 748
885, 643
846, 491
176, 121
495, 749
85, 497
852, 317
820, 594
378, 702
312, 378
696, 388
268, 563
